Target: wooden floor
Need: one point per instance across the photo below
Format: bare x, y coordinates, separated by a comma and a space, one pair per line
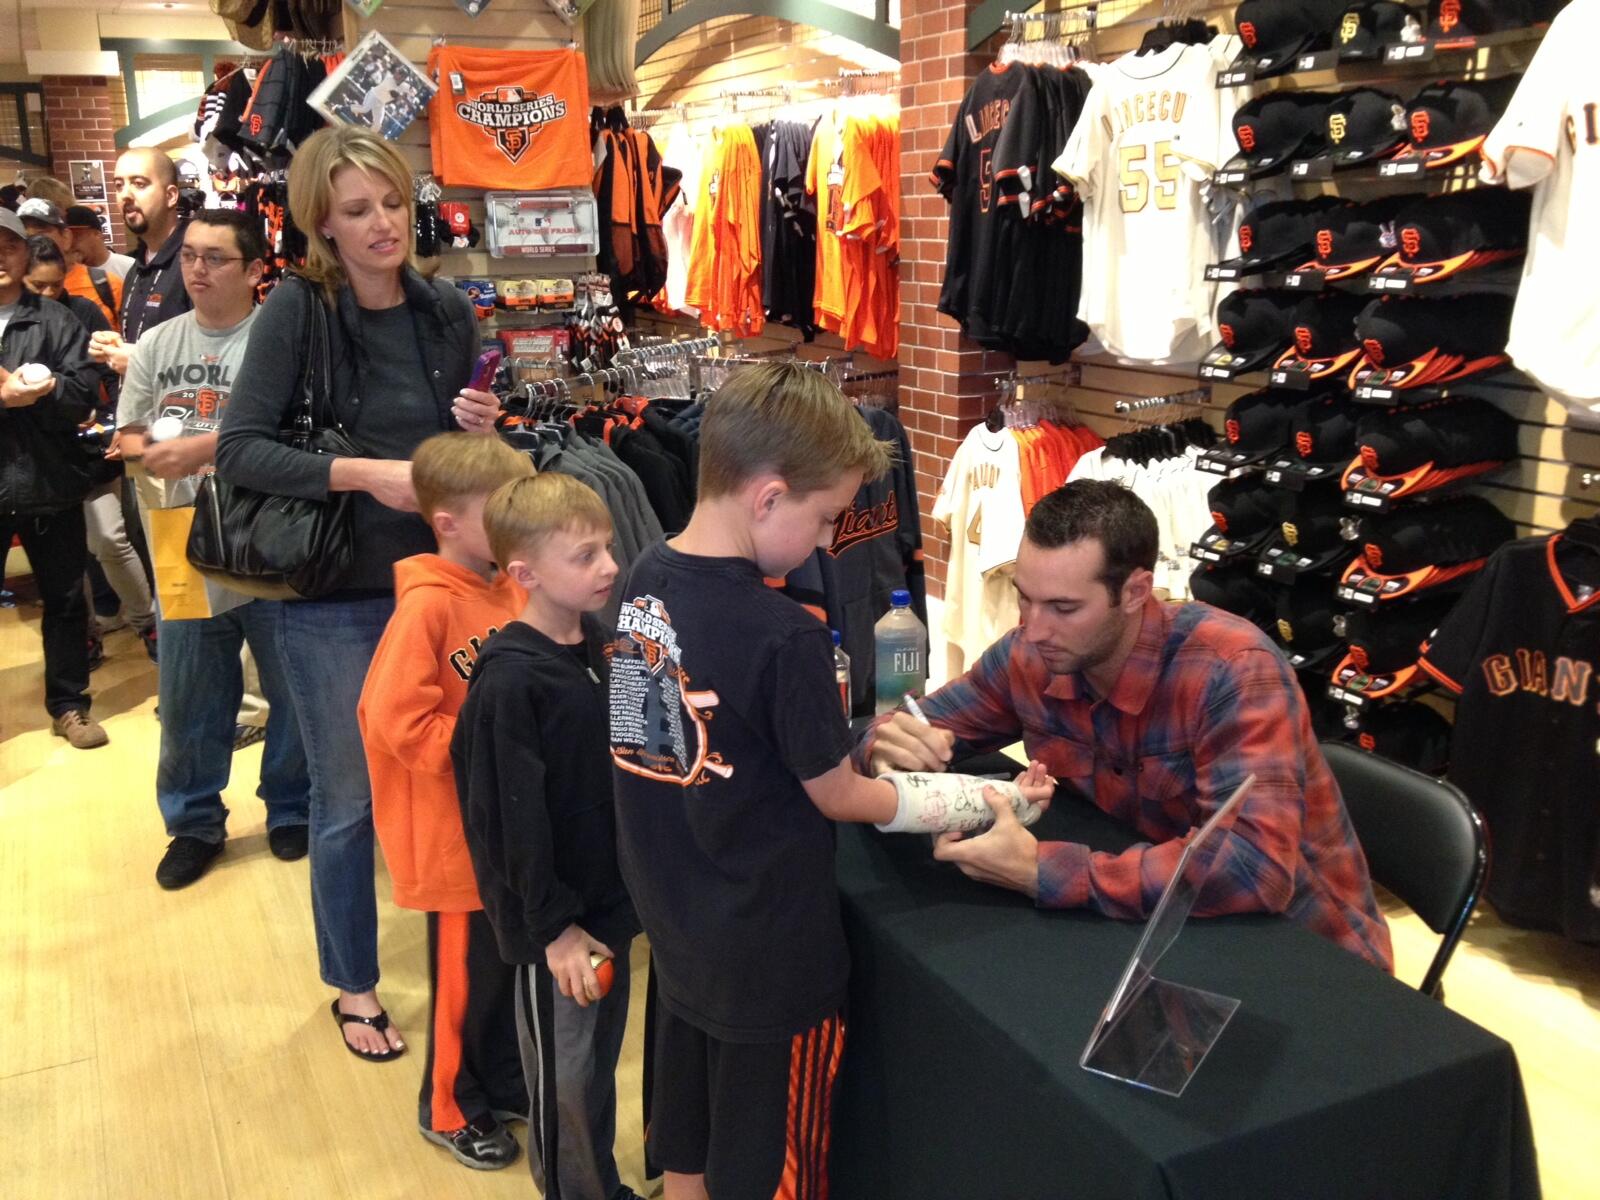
170, 1045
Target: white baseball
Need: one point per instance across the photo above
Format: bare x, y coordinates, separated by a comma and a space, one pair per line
33, 374
165, 428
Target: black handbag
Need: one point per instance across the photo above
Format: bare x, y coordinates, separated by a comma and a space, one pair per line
283, 547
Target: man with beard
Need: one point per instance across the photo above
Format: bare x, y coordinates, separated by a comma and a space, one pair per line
146, 184
1155, 712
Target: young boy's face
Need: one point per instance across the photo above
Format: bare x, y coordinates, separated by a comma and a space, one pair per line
790, 525
572, 568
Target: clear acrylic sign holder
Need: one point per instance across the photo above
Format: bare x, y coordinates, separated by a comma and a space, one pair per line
1155, 1033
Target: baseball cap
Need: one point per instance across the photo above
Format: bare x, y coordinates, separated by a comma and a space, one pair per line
1447, 121
1277, 234
1365, 29
1423, 546
1255, 324
1470, 18
1412, 341
1325, 430
1243, 513
1255, 425
1236, 588
1355, 238
1361, 126
1420, 448
42, 211
1325, 340
11, 223
1390, 639
1310, 536
80, 216
1443, 235
1304, 623
1409, 733
1275, 32
1459, 529
1275, 128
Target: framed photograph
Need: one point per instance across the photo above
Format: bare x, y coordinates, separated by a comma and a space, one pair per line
88, 178
375, 86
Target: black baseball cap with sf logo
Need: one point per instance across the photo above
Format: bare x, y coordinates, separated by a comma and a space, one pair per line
1355, 238
1276, 32
1365, 29
1448, 121
1275, 128
1362, 126
1255, 325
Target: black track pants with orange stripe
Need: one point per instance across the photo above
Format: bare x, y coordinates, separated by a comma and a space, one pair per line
473, 1068
756, 1120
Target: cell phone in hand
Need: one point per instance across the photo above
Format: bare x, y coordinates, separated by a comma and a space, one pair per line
483, 371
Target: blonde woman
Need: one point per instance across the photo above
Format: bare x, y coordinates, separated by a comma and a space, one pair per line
401, 352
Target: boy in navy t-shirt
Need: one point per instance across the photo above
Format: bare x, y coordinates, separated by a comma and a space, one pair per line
731, 757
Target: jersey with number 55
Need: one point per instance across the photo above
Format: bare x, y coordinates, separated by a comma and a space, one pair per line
1146, 144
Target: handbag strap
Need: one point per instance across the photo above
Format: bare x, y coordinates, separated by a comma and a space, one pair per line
315, 407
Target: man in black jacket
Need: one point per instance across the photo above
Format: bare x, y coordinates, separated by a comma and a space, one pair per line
146, 182
45, 473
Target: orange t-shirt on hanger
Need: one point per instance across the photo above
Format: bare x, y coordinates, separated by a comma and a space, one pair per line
510, 120
725, 263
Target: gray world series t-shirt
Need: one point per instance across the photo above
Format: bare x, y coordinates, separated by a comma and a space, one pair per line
179, 369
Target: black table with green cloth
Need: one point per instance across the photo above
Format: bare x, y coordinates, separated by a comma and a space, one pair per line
969, 1009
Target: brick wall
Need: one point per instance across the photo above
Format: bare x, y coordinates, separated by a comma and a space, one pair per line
82, 115
945, 381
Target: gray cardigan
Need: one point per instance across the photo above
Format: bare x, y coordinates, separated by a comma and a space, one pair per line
250, 454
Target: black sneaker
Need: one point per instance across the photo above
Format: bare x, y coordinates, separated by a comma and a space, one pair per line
483, 1145
151, 644
248, 735
97, 653
186, 859
289, 842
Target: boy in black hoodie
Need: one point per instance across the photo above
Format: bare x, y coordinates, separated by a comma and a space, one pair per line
533, 775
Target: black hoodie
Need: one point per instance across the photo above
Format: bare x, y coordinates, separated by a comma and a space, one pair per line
533, 772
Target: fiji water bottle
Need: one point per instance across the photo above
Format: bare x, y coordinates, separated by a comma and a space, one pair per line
902, 653
841, 673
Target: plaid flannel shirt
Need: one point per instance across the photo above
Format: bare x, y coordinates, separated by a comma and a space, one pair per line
1203, 701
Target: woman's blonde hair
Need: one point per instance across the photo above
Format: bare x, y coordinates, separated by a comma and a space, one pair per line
322, 156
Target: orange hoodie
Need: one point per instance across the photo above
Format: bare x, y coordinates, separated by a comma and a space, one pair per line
415, 687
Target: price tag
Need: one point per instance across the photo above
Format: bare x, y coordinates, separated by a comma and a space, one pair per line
1312, 168
1322, 60
1231, 178
1388, 283
1264, 568
1203, 554
1212, 466
1215, 272
1208, 371
1368, 391
1362, 500
1292, 281
1355, 596
1353, 699
1399, 170
1237, 76
1402, 53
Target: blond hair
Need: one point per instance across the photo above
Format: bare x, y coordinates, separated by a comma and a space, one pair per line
787, 420
455, 468
522, 514
48, 187
319, 158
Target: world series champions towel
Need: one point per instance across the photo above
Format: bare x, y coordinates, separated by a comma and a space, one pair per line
512, 120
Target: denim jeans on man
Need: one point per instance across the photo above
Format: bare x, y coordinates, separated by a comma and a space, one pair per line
201, 686
327, 646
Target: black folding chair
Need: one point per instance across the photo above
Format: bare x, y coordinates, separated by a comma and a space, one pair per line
1423, 841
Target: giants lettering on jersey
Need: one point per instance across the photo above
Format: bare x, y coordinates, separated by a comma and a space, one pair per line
1529, 671
1145, 107
464, 658
512, 117
857, 525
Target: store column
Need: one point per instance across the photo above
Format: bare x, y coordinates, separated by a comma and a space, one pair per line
946, 382
82, 114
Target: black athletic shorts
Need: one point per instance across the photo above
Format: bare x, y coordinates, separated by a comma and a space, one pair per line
754, 1119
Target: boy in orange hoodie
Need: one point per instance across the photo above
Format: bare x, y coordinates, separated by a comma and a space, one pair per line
447, 606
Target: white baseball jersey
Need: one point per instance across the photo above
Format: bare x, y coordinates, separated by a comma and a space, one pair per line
1549, 139
1148, 141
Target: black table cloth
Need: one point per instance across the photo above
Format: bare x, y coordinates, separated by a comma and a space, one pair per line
969, 1010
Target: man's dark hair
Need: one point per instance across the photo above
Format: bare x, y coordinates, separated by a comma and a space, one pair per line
247, 235
1106, 512
12, 196
42, 252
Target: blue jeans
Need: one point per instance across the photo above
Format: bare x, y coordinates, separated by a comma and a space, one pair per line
201, 685
326, 647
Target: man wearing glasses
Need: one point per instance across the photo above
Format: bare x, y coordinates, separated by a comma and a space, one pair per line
180, 376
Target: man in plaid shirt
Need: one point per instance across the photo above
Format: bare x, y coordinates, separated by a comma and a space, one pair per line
1156, 712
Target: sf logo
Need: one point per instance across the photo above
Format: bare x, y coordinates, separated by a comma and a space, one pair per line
1421, 125
1338, 126
1247, 137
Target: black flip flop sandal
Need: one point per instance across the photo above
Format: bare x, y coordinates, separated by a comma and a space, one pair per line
379, 1022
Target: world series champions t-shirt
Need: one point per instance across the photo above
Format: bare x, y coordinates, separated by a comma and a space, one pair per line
181, 369
722, 700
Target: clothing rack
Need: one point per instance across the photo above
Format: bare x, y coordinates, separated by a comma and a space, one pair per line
864, 82
1193, 398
